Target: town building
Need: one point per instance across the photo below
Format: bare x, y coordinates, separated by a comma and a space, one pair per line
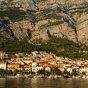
3, 65
34, 65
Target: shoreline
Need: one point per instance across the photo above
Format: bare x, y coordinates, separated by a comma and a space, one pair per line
45, 77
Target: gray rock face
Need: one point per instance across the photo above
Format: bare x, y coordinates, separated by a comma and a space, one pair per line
32, 4
46, 18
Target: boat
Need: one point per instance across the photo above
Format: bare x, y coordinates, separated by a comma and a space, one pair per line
55, 76
20, 76
29, 76
66, 76
84, 76
75, 76
50, 77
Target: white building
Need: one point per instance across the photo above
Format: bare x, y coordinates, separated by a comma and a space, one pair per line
34, 67
69, 70
85, 69
48, 69
3, 65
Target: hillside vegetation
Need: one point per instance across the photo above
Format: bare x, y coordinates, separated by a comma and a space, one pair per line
59, 46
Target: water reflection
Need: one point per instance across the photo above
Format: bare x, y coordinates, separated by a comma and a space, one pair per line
2, 82
43, 83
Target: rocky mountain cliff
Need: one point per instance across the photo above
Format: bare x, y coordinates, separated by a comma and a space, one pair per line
42, 19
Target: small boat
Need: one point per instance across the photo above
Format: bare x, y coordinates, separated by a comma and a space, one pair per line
66, 76
55, 76
30, 76
20, 76
86, 76
75, 76
51, 76
83, 76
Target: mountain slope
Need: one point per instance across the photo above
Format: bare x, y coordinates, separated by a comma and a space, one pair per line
58, 46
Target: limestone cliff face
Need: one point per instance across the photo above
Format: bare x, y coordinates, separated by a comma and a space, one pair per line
25, 4
46, 18
22, 4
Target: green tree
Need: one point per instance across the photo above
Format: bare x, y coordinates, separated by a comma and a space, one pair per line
9, 72
83, 73
16, 72
2, 72
75, 72
47, 73
56, 71
65, 72
42, 72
